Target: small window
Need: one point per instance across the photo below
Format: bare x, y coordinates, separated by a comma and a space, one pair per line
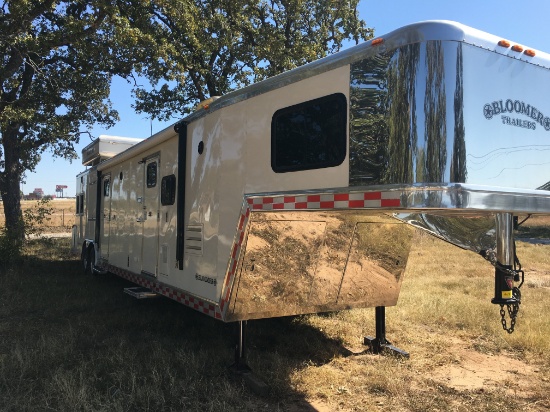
309, 135
78, 205
152, 174
106, 188
168, 190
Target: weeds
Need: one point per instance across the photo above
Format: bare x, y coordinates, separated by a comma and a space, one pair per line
32, 222
70, 342
35, 219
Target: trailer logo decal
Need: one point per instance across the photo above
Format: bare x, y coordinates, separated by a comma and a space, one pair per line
206, 279
509, 106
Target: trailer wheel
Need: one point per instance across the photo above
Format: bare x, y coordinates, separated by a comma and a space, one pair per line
90, 261
84, 257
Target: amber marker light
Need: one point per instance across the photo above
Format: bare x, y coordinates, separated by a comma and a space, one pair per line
378, 41
504, 43
529, 52
517, 48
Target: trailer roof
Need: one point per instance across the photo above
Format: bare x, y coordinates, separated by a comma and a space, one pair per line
442, 30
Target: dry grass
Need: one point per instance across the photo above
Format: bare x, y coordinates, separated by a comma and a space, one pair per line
446, 321
70, 342
62, 218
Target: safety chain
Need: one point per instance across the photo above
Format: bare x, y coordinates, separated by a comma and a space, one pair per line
517, 274
491, 256
513, 310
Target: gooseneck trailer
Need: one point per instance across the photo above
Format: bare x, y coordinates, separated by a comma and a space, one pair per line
300, 194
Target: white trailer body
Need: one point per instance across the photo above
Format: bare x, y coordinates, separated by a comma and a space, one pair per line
101, 149
294, 195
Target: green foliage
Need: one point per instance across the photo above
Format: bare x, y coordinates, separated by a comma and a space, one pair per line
58, 59
35, 218
32, 224
211, 47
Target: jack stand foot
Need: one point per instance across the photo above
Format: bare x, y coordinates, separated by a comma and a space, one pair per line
241, 370
380, 344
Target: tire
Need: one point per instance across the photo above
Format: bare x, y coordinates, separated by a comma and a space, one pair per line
90, 261
84, 258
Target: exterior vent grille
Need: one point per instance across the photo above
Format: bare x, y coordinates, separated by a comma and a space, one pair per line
193, 240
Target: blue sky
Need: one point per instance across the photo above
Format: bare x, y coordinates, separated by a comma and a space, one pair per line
524, 22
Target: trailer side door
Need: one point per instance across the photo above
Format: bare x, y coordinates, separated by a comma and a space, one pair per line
105, 228
150, 238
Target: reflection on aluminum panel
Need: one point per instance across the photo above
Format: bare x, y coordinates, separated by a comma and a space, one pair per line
376, 264
401, 103
306, 262
471, 232
449, 112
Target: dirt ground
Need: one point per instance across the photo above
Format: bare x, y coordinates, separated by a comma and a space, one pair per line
471, 375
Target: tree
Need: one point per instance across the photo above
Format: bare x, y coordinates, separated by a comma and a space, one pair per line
215, 46
58, 58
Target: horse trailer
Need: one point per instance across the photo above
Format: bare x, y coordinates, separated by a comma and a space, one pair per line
301, 193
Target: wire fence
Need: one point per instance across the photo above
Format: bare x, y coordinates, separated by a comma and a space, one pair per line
62, 216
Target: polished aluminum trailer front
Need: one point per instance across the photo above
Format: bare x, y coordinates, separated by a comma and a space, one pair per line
299, 194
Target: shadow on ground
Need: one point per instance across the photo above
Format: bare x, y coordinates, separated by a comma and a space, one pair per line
88, 346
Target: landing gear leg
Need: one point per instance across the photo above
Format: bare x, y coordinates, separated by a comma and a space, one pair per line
240, 367
380, 344
240, 348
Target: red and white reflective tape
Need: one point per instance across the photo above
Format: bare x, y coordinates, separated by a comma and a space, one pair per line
234, 259
354, 200
187, 299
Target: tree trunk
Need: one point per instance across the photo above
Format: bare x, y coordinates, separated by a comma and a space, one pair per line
10, 179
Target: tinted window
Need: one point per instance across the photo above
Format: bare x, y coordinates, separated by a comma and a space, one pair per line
80, 204
309, 135
106, 187
152, 174
168, 190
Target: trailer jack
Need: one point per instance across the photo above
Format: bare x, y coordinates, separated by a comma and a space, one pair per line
508, 295
380, 344
507, 271
240, 368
